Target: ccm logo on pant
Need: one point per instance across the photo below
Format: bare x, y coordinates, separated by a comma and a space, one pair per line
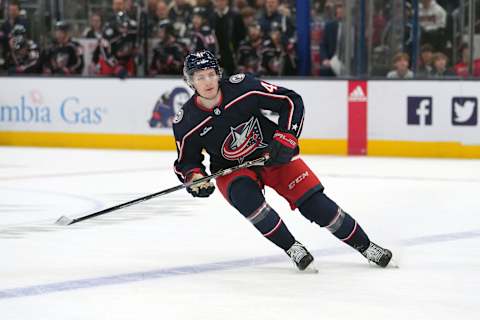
297, 180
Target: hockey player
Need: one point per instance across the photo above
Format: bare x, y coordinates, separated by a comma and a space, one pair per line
250, 51
224, 117
65, 56
23, 56
168, 54
115, 54
202, 37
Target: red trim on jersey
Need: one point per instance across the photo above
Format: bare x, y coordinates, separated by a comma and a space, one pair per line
276, 96
199, 105
179, 172
180, 151
192, 171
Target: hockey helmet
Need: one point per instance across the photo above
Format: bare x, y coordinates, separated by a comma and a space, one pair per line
122, 20
62, 25
200, 60
201, 12
18, 30
166, 25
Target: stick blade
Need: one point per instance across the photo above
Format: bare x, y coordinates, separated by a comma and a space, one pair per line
64, 221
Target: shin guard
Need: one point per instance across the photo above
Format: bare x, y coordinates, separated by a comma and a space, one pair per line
326, 213
246, 196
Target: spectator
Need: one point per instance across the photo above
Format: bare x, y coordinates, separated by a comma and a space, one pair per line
131, 9
401, 62
151, 8
239, 5
259, 6
272, 15
461, 68
440, 70
13, 18
248, 16
117, 6
169, 53
161, 14
278, 59
23, 55
433, 21
209, 10
230, 30
332, 46
202, 37
425, 68
180, 14
250, 51
64, 56
115, 54
94, 31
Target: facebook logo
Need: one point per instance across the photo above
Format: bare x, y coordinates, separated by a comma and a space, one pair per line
464, 111
420, 111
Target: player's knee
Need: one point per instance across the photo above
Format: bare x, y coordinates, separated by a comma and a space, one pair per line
320, 209
245, 195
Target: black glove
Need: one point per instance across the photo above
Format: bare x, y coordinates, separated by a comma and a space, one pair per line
201, 190
283, 147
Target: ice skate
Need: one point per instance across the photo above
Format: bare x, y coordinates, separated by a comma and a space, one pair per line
377, 255
300, 256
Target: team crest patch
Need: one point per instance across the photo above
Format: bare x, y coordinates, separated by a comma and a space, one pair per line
243, 140
237, 78
178, 116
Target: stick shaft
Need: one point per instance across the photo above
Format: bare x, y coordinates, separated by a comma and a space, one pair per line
170, 190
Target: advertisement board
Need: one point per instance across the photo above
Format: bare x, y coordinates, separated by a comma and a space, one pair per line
139, 106
434, 111
395, 118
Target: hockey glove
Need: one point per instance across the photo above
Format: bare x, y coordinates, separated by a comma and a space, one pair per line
282, 148
201, 190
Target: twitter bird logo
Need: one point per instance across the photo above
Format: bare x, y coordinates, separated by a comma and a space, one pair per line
464, 111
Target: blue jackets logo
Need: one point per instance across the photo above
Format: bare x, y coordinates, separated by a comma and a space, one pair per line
167, 106
420, 111
464, 111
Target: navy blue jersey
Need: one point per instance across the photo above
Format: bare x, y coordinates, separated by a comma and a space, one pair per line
236, 130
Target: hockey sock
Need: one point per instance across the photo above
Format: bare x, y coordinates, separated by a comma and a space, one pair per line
326, 213
246, 196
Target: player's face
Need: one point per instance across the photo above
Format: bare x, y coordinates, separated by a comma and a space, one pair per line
60, 36
206, 83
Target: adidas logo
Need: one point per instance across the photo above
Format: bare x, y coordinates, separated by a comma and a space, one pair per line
357, 95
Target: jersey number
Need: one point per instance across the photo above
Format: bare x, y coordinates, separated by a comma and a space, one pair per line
269, 87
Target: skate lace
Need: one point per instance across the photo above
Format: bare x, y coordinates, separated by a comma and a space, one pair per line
374, 253
296, 252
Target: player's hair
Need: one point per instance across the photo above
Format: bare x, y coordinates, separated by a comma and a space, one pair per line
438, 56
401, 56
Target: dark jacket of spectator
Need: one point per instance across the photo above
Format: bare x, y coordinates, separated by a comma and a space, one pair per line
328, 45
230, 31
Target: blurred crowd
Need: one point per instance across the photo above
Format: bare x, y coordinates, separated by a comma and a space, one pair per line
255, 36
252, 36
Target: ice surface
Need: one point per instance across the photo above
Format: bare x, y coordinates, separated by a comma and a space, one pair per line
176, 257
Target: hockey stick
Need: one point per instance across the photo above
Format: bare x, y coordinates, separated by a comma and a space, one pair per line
65, 221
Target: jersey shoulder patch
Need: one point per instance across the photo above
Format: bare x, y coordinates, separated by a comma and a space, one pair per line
237, 78
178, 116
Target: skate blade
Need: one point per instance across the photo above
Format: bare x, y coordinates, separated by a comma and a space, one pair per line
310, 269
393, 264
